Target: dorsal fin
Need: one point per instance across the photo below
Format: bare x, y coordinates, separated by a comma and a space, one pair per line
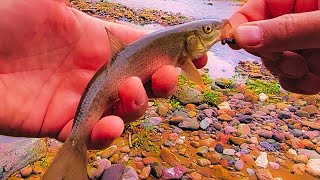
115, 44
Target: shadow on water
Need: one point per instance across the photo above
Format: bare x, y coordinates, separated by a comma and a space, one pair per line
222, 59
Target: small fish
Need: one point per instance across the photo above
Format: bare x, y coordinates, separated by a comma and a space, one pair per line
177, 45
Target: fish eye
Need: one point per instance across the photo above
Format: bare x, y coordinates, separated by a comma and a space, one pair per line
207, 29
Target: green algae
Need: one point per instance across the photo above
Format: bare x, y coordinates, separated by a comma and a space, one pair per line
211, 96
261, 86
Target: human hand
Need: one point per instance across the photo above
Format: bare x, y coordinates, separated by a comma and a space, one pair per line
286, 35
48, 54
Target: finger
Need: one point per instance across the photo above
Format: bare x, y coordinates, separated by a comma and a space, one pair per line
313, 61
105, 132
308, 84
293, 65
201, 62
164, 81
133, 100
280, 34
306, 6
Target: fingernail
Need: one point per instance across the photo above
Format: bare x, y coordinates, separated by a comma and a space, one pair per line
249, 35
140, 98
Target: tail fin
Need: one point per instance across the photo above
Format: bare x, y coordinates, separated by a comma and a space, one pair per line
70, 163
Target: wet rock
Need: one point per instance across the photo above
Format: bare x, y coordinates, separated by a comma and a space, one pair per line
220, 172
311, 134
191, 107
245, 119
156, 170
301, 159
229, 152
209, 112
176, 120
203, 106
302, 113
169, 143
309, 153
167, 156
274, 165
313, 167
195, 144
192, 114
213, 157
145, 172
267, 146
291, 153
250, 171
312, 125
114, 172
189, 124
243, 129
174, 172
297, 132
186, 95
115, 159
284, 115
203, 162
264, 174
205, 123
201, 151
238, 165
195, 176
311, 109
266, 134
162, 109
224, 105
299, 169
306, 143
238, 141
128, 174
156, 120
218, 148
125, 149
107, 153
263, 97
101, 165
224, 117
26, 171
230, 129
278, 136
262, 160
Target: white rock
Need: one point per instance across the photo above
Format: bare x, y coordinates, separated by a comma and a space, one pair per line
224, 105
263, 97
262, 160
313, 167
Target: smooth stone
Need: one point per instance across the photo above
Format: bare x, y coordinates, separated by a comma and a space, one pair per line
167, 156
243, 129
209, 112
263, 97
301, 159
186, 95
267, 146
195, 176
278, 136
250, 171
128, 174
224, 105
114, 172
313, 167
302, 113
156, 120
110, 151
262, 160
266, 134
190, 124
311, 134
312, 154
175, 120
101, 164
297, 132
205, 123
230, 129
229, 152
238, 141
203, 106
26, 171
224, 117
291, 153
203, 162
191, 114
174, 172
311, 109
145, 172
218, 148
284, 115
264, 174
238, 165
274, 165
245, 118
201, 151
195, 144
312, 125
125, 149
299, 169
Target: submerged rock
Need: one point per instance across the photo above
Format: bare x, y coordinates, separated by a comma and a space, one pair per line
167, 156
174, 172
186, 95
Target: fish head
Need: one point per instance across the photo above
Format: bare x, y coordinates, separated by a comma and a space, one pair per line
203, 36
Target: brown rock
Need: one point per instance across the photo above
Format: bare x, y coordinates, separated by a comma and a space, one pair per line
203, 162
125, 149
176, 120
219, 172
145, 172
310, 100
108, 152
149, 160
195, 176
26, 171
301, 159
162, 109
282, 105
167, 156
238, 141
299, 169
264, 174
224, 117
311, 109
195, 144
191, 107
313, 125
213, 157
192, 114
114, 159
306, 143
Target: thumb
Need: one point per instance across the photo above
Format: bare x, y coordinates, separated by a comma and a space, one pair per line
287, 32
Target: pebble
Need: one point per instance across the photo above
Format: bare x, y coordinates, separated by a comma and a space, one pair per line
205, 123
229, 152
266, 134
297, 132
176, 120
189, 124
115, 172
264, 174
309, 153
302, 113
263, 97
145, 172
192, 114
243, 129
203, 162
262, 160
230, 129
128, 174
238, 141
284, 115
125, 149
299, 169
195, 176
301, 159
218, 148
245, 119
311, 109
156, 170
167, 156
174, 172
250, 171
313, 167
274, 165
186, 95
195, 144
107, 153
224, 117
26, 171
267, 146
224, 105
238, 165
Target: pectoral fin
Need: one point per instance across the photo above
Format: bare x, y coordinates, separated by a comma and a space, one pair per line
115, 44
190, 71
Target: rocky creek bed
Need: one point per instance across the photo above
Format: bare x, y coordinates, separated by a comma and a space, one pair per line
245, 127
